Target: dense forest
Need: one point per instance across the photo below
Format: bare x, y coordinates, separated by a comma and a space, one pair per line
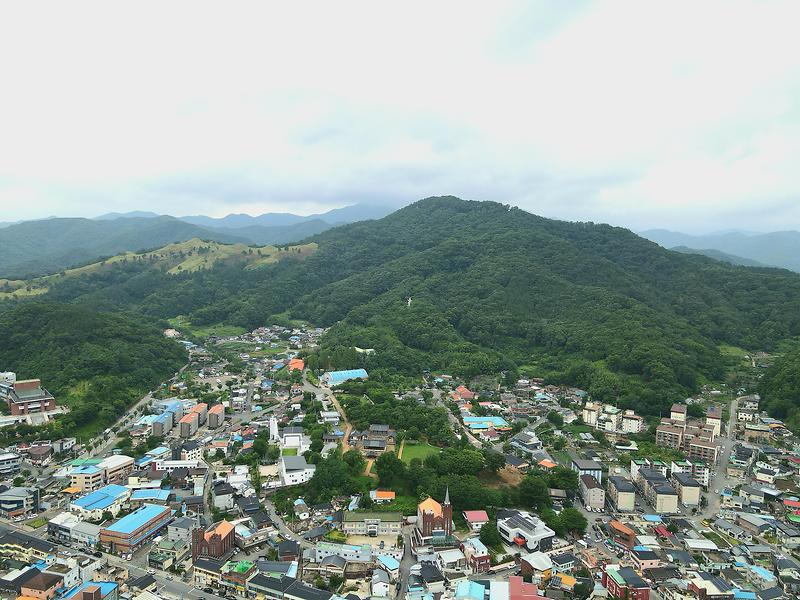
96, 363
780, 389
491, 288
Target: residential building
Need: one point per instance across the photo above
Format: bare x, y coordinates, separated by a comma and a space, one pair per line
42, 586
624, 583
116, 468
678, 412
94, 590
588, 467
477, 555
381, 496
475, 519
537, 566
592, 492
23, 547
374, 441
189, 424
526, 442
168, 553
216, 416
687, 488
622, 493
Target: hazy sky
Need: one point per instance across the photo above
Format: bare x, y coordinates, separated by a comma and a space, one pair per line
683, 115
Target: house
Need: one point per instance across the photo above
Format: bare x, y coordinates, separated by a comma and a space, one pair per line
475, 519
42, 586
374, 441
564, 563
223, 495
477, 555
380, 584
538, 566
526, 442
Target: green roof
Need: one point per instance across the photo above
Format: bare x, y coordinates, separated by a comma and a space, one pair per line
355, 516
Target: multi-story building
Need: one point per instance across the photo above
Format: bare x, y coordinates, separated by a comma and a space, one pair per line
522, 529
18, 501
295, 469
632, 423
135, 529
23, 547
26, 397
87, 478
188, 425
588, 467
9, 464
42, 586
687, 488
714, 419
625, 583
477, 555
678, 412
658, 492
622, 493
592, 492
116, 468
372, 523
108, 499
216, 416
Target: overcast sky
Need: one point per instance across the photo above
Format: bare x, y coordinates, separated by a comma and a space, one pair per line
684, 115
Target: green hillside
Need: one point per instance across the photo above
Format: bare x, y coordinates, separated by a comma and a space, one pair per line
491, 288
98, 364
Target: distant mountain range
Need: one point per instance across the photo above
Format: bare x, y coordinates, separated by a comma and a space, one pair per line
45, 246
720, 256
777, 249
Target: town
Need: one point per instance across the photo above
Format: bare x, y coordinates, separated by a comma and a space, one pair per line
208, 487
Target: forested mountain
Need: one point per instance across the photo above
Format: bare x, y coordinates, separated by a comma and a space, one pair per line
50, 245
96, 363
720, 256
777, 249
47, 246
490, 288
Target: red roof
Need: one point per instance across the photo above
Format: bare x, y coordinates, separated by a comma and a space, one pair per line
662, 531
476, 516
795, 459
791, 503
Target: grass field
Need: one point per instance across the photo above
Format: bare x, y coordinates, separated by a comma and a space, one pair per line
419, 450
183, 325
561, 458
289, 452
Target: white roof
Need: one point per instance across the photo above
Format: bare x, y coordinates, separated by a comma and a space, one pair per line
538, 560
701, 544
451, 556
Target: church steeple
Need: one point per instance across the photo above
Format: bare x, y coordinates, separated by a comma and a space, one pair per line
447, 495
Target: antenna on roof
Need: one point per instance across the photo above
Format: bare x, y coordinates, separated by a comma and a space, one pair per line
408, 301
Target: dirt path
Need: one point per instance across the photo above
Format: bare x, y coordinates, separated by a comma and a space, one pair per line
347, 426
368, 469
402, 447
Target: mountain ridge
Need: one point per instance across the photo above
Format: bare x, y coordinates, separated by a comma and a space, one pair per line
492, 288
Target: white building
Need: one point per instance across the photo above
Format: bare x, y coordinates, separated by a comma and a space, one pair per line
295, 469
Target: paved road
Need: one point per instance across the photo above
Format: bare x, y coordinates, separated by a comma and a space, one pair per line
406, 563
281, 525
720, 480
455, 424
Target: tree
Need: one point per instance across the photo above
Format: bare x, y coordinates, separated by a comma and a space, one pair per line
494, 461
573, 521
354, 460
18, 481
555, 418
389, 468
533, 492
490, 536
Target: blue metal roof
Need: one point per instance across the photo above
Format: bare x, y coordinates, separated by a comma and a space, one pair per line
136, 519
154, 494
102, 498
106, 588
341, 376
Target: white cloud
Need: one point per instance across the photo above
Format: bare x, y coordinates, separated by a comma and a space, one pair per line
674, 114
